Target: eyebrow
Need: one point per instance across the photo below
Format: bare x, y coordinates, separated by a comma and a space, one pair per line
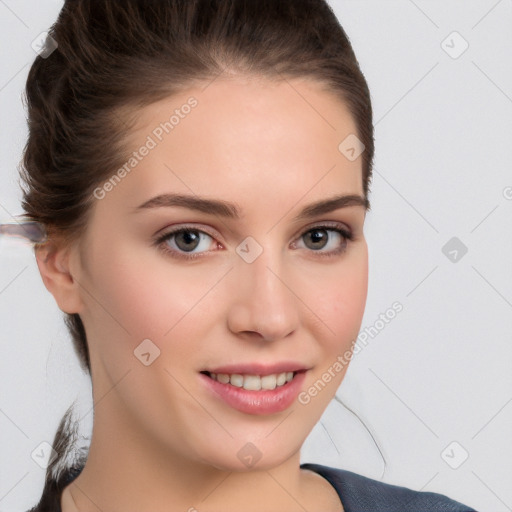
232, 210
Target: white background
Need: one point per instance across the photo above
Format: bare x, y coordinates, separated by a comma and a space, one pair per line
440, 371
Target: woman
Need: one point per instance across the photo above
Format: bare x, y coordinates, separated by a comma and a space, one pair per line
201, 170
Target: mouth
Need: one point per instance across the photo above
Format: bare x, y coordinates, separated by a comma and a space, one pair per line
251, 382
255, 389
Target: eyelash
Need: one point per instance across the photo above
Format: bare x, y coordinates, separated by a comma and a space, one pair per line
160, 241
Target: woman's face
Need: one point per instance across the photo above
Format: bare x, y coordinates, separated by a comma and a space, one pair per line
262, 284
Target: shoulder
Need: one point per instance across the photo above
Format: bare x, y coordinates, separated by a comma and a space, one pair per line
359, 493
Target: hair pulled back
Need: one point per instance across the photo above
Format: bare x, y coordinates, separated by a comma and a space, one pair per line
115, 57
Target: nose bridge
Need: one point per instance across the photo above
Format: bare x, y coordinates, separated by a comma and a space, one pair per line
263, 298
263, 272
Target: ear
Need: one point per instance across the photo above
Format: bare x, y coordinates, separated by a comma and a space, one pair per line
54, 263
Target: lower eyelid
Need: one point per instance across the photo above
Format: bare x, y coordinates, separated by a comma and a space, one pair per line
345, 234
161, 241
164, 238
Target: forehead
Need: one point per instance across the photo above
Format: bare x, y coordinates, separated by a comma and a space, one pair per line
243, 138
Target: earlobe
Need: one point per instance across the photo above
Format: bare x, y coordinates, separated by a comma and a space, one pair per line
54, 266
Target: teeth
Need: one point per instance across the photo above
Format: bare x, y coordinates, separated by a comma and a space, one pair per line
223, 377
236, 380
254, 382
269, 382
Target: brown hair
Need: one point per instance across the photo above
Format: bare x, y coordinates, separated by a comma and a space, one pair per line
114, 57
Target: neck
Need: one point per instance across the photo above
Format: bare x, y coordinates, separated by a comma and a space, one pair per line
126, 472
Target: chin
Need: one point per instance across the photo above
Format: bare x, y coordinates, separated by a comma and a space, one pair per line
251, 455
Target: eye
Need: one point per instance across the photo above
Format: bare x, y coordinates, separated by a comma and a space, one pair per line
334, 238
183, 242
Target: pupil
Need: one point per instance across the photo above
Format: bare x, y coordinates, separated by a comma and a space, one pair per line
187, 237
318, 236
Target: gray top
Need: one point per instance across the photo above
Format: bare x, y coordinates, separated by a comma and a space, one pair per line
357, 493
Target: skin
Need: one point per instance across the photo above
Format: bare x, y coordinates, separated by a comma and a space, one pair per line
159, 439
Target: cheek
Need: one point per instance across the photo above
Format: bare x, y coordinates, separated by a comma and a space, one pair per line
340, 308
127, 297
341, 302
145, 296
149, 304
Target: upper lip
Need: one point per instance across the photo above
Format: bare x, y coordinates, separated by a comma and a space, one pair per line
258, 368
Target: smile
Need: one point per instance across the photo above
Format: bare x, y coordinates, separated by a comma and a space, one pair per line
253, 382
251, 393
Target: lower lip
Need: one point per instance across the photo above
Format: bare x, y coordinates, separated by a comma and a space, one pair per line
257, 402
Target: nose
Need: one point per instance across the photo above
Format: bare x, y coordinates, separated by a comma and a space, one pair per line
264, 304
